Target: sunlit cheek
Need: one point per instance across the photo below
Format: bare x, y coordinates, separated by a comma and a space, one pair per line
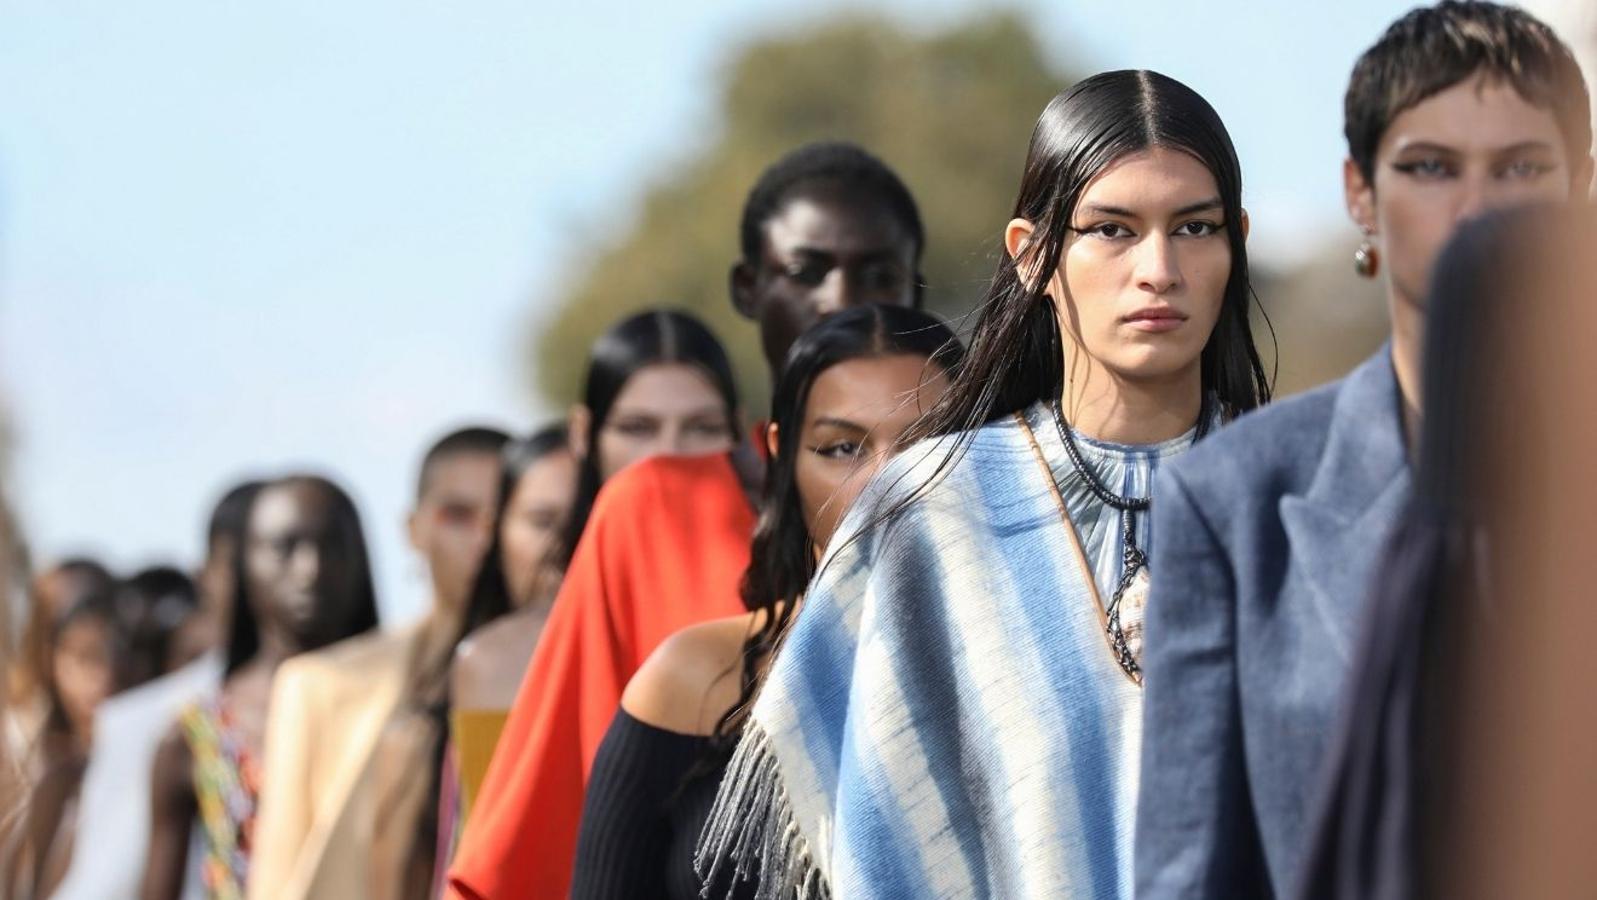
1088, 281
618, 451
1213, 276
849, 491
816, 486
520, 551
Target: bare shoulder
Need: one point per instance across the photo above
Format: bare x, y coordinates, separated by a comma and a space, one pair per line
691, 679
489, 664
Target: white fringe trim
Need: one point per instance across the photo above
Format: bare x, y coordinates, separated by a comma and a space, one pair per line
753, 830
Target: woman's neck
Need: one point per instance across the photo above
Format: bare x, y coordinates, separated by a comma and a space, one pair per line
1408, 352
1107, 407
274, 648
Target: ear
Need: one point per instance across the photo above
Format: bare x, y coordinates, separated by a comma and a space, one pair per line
1017, 236
740, 282
773, 440
1359, 195
1247, 225
578, 419
416, 531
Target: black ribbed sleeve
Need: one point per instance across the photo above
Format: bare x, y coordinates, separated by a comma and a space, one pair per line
641, 817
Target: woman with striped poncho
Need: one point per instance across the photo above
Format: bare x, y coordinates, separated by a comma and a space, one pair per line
956, 711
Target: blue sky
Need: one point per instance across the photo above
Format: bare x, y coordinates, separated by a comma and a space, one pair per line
242, 238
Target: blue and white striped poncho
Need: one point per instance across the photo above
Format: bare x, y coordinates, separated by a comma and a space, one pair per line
946, 718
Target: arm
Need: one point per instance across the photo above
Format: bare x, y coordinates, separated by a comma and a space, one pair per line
1195, 832
283, 812
665, 548
522, 829
623, 845
172, 811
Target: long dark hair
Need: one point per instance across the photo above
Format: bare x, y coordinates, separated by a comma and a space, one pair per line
646, 339
31, 672
1406, 711
1016, 357
490, 591
99, 603
782, 558
244, 635
489, 599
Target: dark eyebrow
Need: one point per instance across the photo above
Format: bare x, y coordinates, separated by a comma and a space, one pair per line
1427, 147
1102, 210
811, 251
877, 254
1189, 209
833, 422
1524, 147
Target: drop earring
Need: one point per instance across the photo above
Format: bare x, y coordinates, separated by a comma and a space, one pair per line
1366, 259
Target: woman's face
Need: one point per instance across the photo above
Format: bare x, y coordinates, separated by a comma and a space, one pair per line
534, 519
299, 570
1143, 272
856, 415
667, 408
84, 668
1471, 148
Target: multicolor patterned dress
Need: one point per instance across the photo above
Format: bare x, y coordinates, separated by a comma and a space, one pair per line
227, 780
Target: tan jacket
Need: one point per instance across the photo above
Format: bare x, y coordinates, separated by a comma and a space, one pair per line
316, 817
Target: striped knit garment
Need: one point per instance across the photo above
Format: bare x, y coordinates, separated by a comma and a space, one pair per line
946, 718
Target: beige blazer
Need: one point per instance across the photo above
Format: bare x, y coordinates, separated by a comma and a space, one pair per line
315, 820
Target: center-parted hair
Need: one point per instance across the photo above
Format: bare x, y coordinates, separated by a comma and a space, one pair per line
649, 338
1433, 48
360, 615
782, 556
231, 514
1016, 357
829, 164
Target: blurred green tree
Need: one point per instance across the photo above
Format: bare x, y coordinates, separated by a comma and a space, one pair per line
951, 111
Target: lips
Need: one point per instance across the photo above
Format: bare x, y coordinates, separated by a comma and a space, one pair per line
1156, 318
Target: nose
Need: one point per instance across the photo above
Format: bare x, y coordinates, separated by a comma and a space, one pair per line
674, 441
306, 563
1477, 198
1158, 271
835, 293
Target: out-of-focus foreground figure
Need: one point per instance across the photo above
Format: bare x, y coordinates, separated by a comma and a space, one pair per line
1463, 767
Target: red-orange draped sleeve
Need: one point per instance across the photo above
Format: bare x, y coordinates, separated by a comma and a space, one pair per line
665, 548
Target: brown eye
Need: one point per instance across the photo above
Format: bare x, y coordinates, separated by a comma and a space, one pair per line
808, 273
882, 277
1199, 229
1109, 231
635, 428
1525, 170
1429, 168
838, 450
456, 515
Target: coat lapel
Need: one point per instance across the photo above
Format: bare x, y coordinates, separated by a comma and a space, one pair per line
1337, 529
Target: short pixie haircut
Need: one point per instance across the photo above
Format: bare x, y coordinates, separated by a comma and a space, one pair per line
1433, 48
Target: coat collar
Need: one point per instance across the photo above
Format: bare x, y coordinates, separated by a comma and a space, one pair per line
1336, 530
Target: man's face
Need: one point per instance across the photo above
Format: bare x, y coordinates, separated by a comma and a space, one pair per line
822, 252
453, 522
